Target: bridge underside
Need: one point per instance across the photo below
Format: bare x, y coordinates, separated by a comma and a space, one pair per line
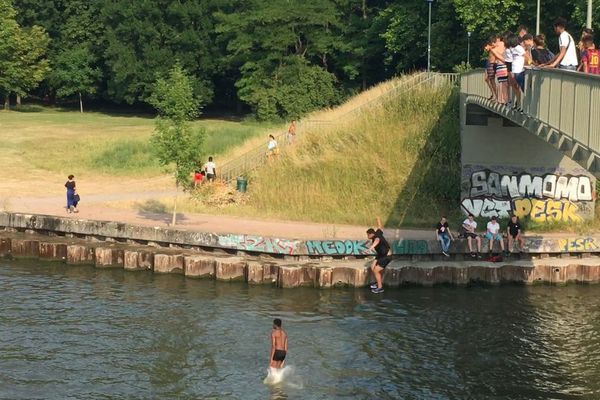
479, 110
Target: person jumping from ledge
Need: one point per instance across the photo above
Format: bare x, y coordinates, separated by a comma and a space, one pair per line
279, 345
383, 255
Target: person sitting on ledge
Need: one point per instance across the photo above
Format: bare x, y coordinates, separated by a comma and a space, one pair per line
444, 235
470, 225
493, 234
515, 233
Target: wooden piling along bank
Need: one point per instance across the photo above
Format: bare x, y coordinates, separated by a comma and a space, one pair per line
281, 262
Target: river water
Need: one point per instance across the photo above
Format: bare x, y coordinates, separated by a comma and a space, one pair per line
84, 333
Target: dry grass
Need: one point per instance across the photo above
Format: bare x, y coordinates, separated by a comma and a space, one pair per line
384, 159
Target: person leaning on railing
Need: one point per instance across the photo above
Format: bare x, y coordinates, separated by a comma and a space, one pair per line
567, 57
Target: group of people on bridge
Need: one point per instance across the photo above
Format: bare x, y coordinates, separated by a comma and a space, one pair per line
510, 54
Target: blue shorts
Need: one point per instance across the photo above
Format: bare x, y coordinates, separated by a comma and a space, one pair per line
497, 236
520, 78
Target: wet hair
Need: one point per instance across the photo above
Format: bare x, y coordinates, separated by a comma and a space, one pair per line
560, 22
370, 231
527, 36
71, 177
540, 40
512, 40
277, 322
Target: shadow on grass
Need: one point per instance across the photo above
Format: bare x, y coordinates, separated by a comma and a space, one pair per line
155, 210
433, 186
28, 108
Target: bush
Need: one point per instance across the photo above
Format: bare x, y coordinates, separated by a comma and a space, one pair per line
290, 91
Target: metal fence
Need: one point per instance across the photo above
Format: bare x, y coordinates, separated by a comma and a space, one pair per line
566, 101
257, 156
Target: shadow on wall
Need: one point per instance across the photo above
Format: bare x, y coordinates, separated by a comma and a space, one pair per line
433, 186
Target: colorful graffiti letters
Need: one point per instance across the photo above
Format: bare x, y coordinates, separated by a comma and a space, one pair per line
337, 247
491, 184
543, 198
547, 210
260, 244
578, 245
410, 247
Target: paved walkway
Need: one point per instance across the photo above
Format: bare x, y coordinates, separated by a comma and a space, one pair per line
95, 208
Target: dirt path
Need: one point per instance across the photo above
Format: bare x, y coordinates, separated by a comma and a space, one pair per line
96, 206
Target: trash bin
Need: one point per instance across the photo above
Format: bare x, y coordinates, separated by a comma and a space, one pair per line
242, 184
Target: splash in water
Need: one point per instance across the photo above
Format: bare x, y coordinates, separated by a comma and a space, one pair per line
285, 377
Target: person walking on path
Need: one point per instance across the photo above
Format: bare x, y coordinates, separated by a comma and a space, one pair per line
272, 148
211, 170
443, 234
567, 56
470, 226
515, 233
279, 345
493, 234
383, 255
71, 194
292, 132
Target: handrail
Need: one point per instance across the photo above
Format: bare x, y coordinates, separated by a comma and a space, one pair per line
255, 157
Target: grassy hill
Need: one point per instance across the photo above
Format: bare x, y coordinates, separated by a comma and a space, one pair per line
398, 158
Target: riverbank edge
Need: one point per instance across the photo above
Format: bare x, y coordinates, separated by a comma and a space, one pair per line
256, 270
286, 248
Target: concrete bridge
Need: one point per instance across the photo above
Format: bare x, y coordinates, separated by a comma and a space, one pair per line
541, 164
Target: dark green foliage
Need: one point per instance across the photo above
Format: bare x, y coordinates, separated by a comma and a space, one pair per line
283, 58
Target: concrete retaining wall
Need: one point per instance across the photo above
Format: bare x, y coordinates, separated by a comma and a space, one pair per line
251, 244
292, 274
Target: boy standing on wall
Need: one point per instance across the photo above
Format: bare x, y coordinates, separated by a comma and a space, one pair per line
383, 255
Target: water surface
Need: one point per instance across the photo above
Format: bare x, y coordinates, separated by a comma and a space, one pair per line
83, 333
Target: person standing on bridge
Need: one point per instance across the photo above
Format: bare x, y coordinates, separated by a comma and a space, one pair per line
590, 57
383, 255
567, 57
540, 54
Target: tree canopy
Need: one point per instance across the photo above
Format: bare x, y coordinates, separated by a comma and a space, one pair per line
278, 58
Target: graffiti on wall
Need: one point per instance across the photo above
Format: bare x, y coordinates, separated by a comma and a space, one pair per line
543, 198
260, 244
578, 245
405, 246
337, 247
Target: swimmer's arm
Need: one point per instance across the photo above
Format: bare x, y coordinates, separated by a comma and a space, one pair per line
272, 346
375, 243
379, 224
285, 344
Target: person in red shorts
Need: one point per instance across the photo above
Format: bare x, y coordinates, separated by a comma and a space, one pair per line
591, 56
198, 178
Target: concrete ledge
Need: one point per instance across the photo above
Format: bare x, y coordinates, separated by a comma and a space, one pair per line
117, 232
286, 274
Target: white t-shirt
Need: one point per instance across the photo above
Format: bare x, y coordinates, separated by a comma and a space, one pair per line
272, 144
508, 56
493, 228
469, 223
210, 167
570, 58
518, 56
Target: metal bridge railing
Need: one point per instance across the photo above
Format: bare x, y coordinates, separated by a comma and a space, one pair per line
566, 101
257, 156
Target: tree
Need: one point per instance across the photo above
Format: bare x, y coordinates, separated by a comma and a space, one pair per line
23, 62
174, 141
74, 73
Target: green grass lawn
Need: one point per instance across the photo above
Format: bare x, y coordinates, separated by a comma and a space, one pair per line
59, 141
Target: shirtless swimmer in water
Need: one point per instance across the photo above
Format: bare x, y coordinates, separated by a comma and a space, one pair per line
279, 345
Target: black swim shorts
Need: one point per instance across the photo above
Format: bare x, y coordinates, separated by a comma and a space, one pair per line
279, 355
470, 235
384, 261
